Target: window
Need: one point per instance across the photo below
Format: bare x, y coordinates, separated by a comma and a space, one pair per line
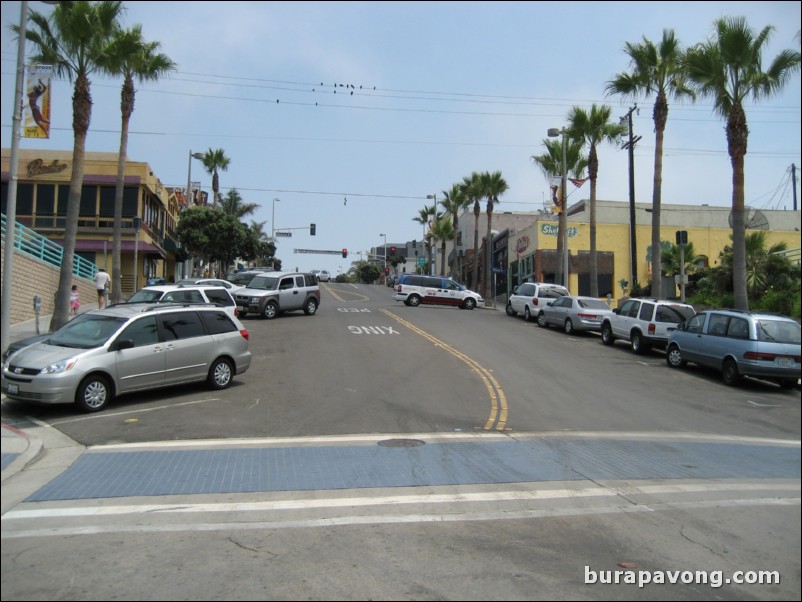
217, 322
527, 290
182, 325
647, 311
286, 284
695, 323
299, 281
219, 295
142, 332
717, 325
183, 297
738, 329
629, 309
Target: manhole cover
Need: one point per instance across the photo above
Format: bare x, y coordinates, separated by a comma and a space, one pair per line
402, 442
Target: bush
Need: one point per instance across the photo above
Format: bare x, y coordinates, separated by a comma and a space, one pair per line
783, 301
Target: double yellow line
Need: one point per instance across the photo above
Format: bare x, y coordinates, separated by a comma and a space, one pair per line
498, 401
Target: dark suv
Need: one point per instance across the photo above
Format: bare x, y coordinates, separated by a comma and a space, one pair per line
272, 293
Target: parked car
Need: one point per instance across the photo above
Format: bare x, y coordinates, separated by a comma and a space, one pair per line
739, 344
645, 323
125, 348
244, 278
414, 289
179, 293
231, 286
273, 293
573, 313
530, 297
17, 345
324, 276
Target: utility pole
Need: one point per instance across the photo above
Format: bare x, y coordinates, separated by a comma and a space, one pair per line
793, 182
633, 239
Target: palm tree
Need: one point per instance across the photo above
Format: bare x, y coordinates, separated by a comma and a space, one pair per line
471, 190
425, 215
492, 185
593, 128
130, 56
551, 164
656, 69
672, 259
214, 161
442, 230
74, 39
233, 204
728, 69
454, 202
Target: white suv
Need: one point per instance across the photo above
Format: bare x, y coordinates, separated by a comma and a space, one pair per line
179, 293
645, 323
529, 298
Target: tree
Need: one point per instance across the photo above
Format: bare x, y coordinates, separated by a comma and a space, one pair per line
659, 70
214, 161
551, 164
728, 68
492, 185
471, 189
454, 202
672, 260
131, 57
75, 39
233, 204
592, 128
442, 230
213, 234
425, 216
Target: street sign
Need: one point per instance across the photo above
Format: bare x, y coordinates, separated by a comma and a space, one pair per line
287, 234
421, 261
317, 251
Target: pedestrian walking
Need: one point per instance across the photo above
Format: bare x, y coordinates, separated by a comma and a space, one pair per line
75, 300
102, 280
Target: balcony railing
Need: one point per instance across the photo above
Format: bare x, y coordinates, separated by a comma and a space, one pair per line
35, 245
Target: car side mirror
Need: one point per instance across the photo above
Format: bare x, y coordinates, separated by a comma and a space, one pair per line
616, 310
550, 303
515, 291
123, 344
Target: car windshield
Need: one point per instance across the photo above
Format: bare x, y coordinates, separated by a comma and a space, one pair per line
145, 296
267, 283
593, 304
187, 281
87, 331
778, 331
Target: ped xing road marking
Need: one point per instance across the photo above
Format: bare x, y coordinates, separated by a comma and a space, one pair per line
372, 330
498, 401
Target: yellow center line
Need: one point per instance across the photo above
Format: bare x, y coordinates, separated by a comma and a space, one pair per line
499, 409
336, 296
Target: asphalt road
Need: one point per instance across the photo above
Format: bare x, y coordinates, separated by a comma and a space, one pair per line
369, 368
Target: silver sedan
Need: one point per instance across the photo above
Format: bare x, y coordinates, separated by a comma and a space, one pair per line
573, 313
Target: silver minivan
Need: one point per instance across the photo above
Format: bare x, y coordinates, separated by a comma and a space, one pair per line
125, 348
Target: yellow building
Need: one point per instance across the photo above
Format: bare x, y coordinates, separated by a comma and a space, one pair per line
150, 211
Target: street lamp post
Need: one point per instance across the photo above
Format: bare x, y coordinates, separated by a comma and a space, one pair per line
431, 251
189, 172
11, 203
553, 133
273, 234
385, 254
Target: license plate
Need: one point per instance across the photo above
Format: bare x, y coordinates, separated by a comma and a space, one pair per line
784, 361
13, 388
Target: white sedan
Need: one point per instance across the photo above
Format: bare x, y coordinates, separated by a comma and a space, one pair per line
323, 276
573, 313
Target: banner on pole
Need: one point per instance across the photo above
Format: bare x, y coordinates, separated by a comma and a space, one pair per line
37, 111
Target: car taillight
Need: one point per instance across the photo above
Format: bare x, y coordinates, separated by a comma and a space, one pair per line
588, 316
651, 328
535, 301
236, 312
767, 357
244, 333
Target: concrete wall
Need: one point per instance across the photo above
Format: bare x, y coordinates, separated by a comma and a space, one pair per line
32, 277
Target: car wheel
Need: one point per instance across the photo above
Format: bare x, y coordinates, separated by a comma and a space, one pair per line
527, 315
220, 374
510, 310
311, 307
607, 335
470, 303
637, 344
414, 300
271, 310
94, 393
541, 320
569, 327
729, 372
674, 357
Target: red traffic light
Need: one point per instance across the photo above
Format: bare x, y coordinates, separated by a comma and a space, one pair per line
345, 252
392, 249
386, 270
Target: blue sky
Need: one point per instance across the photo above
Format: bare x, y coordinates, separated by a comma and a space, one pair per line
440, 89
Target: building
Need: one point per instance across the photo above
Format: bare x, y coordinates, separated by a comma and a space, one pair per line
150, 211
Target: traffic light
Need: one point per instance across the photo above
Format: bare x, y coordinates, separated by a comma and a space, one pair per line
312, 229
386, 270
414, 244
345, 253
392, 250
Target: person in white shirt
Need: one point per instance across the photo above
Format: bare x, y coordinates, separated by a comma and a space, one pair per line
102, 280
